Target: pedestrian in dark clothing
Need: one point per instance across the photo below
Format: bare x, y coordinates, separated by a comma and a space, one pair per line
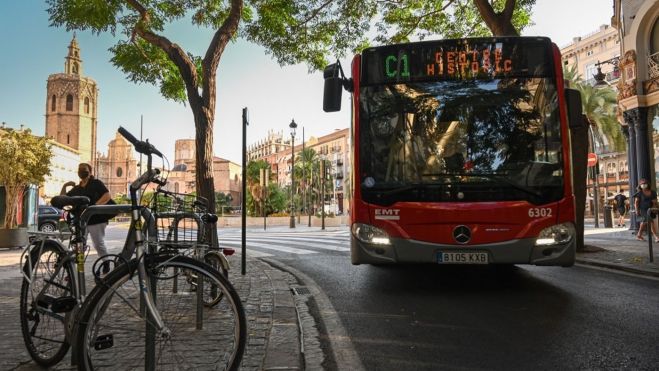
620, 201
645, 199
98, 195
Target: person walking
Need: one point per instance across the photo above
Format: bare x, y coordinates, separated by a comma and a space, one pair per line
645, 199
98, 195
620, 200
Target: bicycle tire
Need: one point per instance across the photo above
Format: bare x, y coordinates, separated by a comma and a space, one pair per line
212, 295
44, 332
112, 329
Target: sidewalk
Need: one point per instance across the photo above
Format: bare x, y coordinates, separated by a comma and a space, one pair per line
278, 335
617, 248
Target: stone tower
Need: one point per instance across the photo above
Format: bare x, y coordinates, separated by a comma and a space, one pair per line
71, 106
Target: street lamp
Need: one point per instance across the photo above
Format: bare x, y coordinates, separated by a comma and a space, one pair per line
292, 126
600, 78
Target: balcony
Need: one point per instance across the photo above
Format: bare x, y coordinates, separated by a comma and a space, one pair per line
652, 84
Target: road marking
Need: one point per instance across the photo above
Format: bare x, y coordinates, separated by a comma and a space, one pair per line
268, 246
300, 242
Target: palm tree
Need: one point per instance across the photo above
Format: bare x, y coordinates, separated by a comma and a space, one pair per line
600, 108
307, 160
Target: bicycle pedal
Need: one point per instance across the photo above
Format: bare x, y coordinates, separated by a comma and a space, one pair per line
63, 304
104, 342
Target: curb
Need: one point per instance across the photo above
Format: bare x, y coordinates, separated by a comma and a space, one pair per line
621, 267
340, 353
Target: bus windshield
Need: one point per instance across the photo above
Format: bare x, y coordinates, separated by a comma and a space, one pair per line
471, 140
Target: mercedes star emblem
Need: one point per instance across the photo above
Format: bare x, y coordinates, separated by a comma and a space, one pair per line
462, 234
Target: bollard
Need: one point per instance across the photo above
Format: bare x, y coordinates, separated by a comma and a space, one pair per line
608, 216
650, 223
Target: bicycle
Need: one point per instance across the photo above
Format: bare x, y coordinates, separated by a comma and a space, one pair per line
181, 221
53, 286
133, 316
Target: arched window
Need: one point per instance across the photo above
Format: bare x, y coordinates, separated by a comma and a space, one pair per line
53, 103
69, 102
68, 139
86, 104
75, 68
120, 172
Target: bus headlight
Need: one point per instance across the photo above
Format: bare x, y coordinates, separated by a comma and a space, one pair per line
370, 234
556, 235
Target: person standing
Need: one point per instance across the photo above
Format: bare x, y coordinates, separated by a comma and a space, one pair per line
645, 199
620, 200
98, 195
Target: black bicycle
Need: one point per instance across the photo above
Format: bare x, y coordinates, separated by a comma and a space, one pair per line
133, 318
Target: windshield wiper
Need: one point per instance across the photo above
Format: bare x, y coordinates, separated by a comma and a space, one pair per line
503, 179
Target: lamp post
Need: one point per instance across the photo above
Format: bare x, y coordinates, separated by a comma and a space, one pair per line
600, 78
595, 180
292, 126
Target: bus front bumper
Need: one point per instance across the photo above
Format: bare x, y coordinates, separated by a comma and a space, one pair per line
522, 251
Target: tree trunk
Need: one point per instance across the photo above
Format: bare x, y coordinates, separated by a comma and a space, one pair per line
205, 186
499, 23
11, 206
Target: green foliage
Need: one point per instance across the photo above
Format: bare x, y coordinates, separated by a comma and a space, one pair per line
25, 160
600, 107
145, 63
253, 170
406, 20
223, 202
121, 199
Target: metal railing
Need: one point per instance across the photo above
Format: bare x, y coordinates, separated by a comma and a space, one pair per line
653, 66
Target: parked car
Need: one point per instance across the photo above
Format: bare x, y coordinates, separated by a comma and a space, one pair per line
49, 217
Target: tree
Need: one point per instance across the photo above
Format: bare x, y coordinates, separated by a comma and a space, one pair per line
292, 31
600, 108
452, 18
25, 161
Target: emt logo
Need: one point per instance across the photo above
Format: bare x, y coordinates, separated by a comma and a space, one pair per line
387, 214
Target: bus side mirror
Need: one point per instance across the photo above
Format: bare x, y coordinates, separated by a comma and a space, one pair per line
574, 109
333, 88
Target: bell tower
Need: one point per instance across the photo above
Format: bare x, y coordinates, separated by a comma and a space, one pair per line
71, 106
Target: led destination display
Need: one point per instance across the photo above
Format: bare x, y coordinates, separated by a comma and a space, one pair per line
482, 58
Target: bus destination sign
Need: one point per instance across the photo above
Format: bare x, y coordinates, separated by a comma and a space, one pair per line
457, 60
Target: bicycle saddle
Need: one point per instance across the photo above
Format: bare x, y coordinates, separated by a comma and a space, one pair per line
61, 201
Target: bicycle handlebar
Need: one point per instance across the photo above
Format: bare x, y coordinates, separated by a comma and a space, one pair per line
143, 147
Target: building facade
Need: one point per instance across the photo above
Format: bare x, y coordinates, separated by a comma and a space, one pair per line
63, 168
585, 53
637, 22
118, 168
333, 147
71, 106
227, 175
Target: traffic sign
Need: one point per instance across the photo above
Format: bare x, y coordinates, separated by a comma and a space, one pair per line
592, 159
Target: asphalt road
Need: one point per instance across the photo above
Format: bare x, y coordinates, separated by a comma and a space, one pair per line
431, 317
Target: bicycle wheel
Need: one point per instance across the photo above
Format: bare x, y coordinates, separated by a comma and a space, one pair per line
114, 332
212, 295
44, 331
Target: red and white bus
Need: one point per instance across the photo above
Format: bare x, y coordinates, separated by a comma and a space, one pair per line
461, 153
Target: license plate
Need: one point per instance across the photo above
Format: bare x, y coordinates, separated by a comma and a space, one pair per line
462, 258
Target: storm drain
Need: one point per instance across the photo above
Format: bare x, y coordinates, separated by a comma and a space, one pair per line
300, 291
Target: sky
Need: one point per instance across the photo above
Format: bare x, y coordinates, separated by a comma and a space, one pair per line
31, 50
